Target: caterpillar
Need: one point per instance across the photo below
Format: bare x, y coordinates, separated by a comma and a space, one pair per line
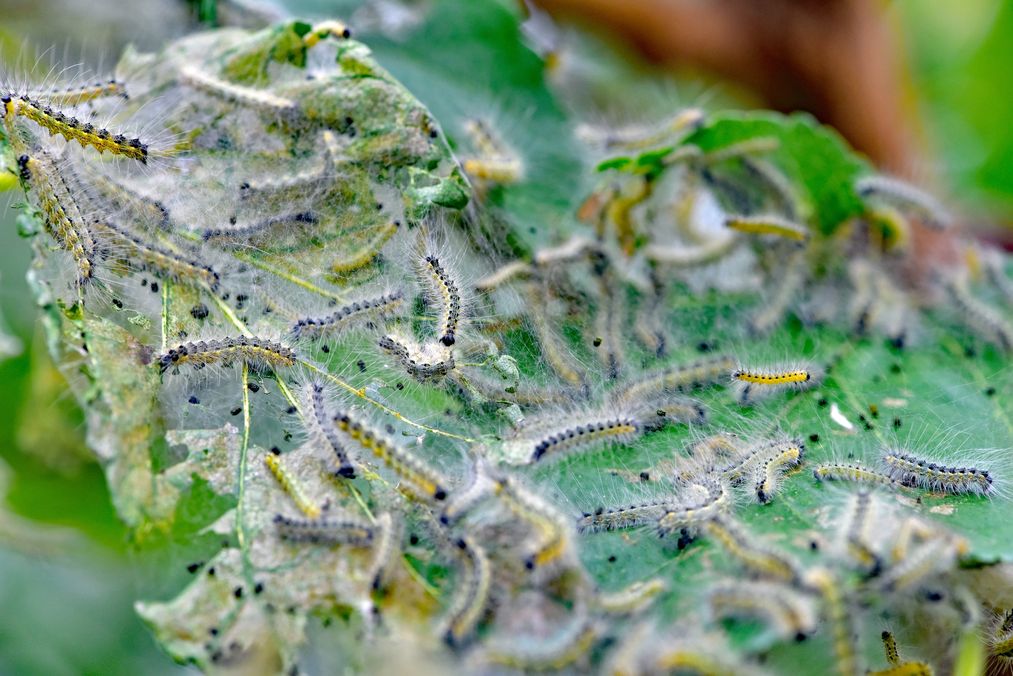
60, 210
248, 349
122, 199
763, 562
84, 134
857, 522
552, 542
247, 97
757, 383
384, 550
494, 169
324, 531
829, 587
690, 256
420, 366
444, 292
607, 323
768, 225
625, 517
495, 162
679, 410
75, 96
583, 434
768, 473
756, 455
551, 654
303, 182
647, 323
938, 553
502, 275
1000, 640
631, 599
642, 137
144, 255
424, 480
235, 234
681, 378
326, 29
291, 486
788, 612
984, 319
365, 255
348, 315
910, 470
905, 196
552, 347
714, 502
321, 432
473, 599
463, 500
890, 648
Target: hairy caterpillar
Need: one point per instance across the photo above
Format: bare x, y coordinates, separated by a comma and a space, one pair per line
365, 255
551, 654
122, 199
788, 612
60, 210
552, 542
905, 196
304, 182
72, 129
699, 514
247, 97
75, 96
384, 550
144, 255
248, 349
857, 523
291, 486
839, 617
910, 470
321, 431
768, 473
763, 562
938, 553
233, 235
756, 455
324, 531
473, 598
633, 598
584, 434
463, 500
768, 225
408, 468
625, 517
752, 383
677, 410
984, 319
680, 378
348, 315
421, 365
552, 347
495, 163
444, 292
890, 648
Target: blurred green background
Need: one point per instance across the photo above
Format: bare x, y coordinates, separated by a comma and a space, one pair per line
68, 571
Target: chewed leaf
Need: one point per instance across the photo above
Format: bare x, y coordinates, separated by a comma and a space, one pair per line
441, 377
